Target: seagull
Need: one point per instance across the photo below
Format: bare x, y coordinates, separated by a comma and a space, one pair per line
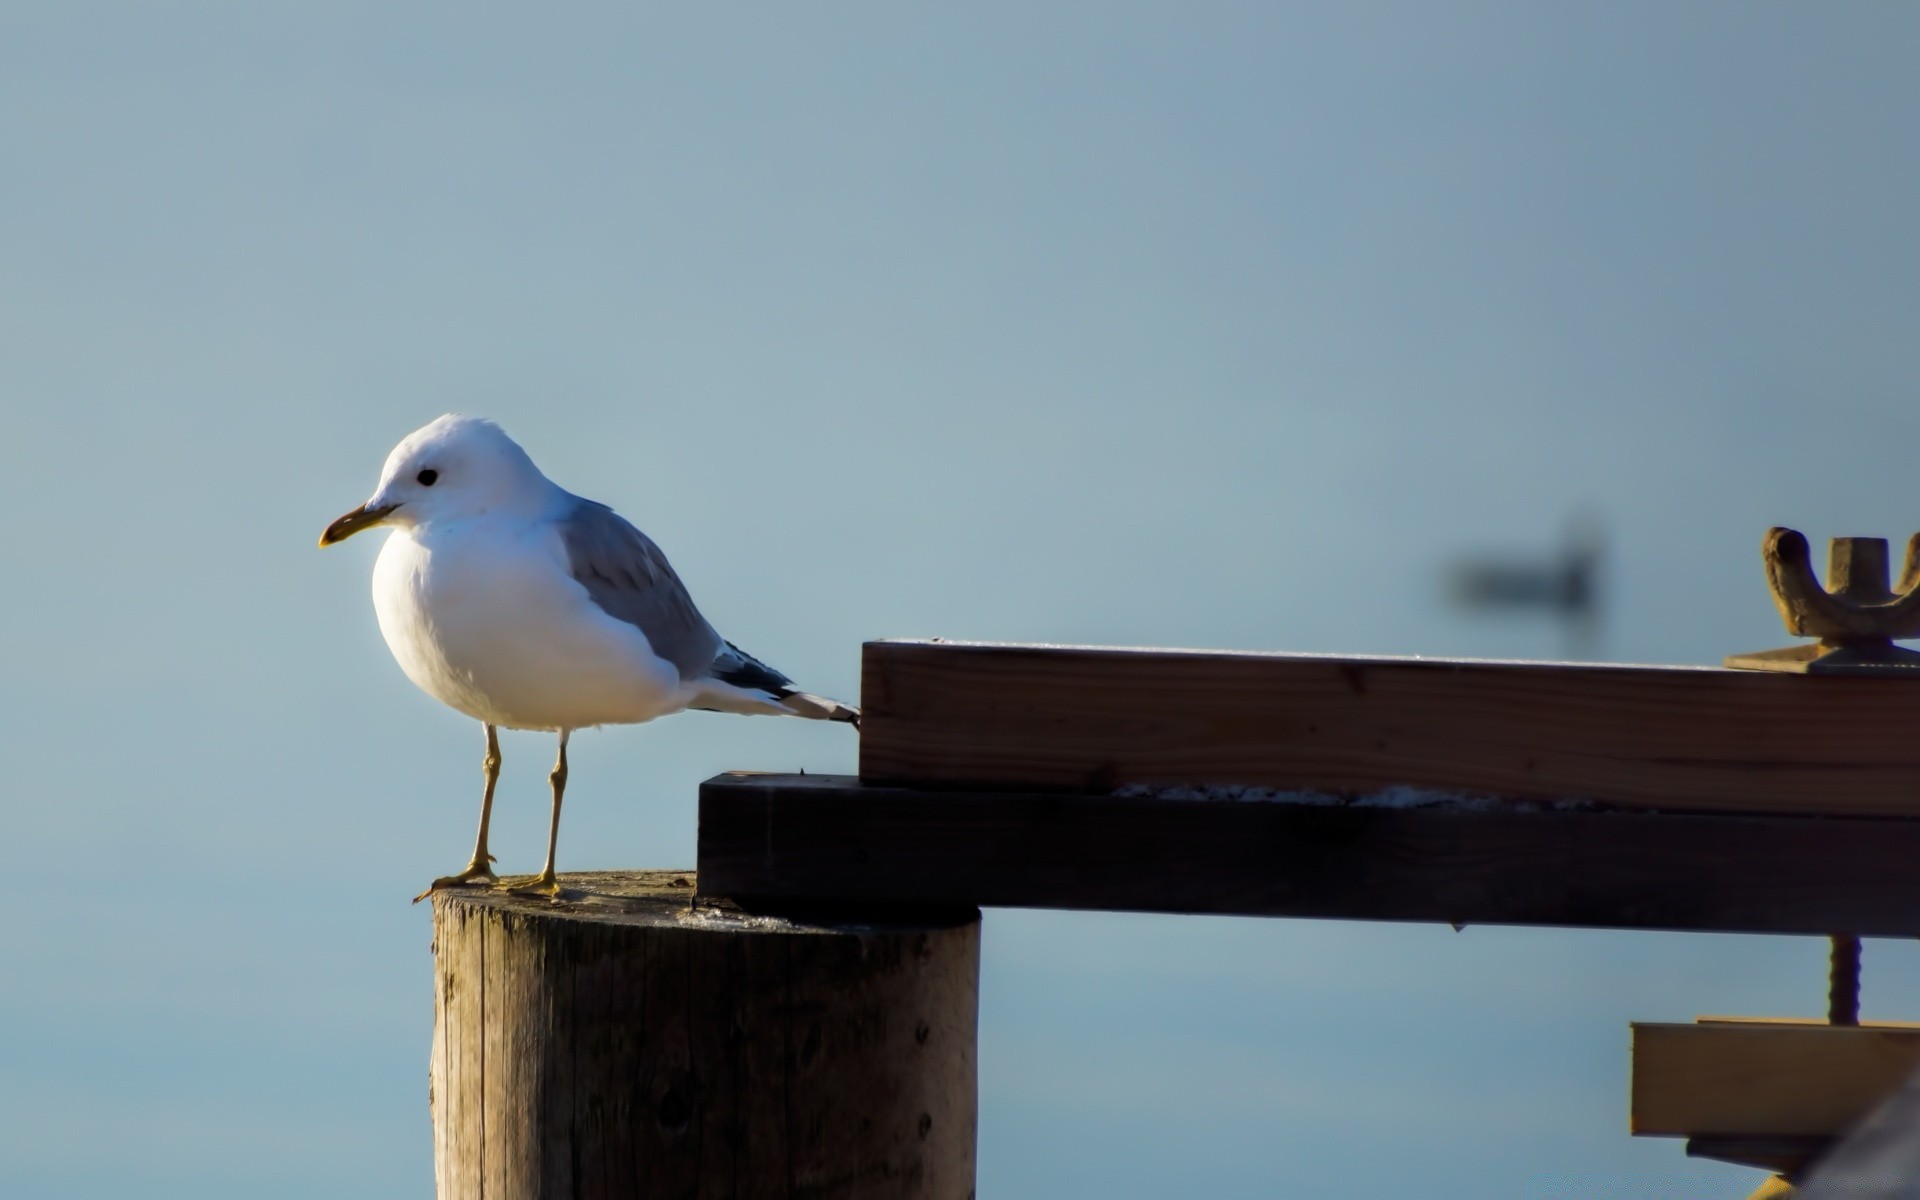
509, 598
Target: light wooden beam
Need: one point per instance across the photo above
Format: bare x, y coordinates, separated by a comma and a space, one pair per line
941, 714
1760, 1078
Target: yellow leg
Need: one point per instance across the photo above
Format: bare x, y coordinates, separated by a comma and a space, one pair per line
546, 883
480, 868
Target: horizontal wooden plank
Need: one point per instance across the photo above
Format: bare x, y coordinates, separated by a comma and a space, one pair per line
1090, 719
1765, 1079
813, 837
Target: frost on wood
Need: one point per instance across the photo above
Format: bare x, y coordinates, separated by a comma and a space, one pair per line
1400, 796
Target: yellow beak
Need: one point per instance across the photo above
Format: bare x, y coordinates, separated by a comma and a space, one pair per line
355, 521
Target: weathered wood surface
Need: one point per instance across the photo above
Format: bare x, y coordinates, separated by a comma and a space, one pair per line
1677, 738
614, 1045
1755, 1078
815, 836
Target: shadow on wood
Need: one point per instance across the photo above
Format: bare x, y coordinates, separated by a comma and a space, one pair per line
616, 1044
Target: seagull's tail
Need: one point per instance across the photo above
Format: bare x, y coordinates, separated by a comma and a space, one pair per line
739, 682
819, 708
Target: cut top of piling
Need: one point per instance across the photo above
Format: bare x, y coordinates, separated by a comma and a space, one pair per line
670, 899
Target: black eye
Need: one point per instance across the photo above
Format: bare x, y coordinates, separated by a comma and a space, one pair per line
427, 477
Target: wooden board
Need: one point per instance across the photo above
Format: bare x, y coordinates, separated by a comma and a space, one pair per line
814, 837
1090, 719
1752, 1078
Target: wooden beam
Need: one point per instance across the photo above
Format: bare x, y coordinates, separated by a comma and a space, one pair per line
1765, 1078
1091, 719
814, 837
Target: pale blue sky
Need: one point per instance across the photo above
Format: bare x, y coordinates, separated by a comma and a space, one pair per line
1119, 323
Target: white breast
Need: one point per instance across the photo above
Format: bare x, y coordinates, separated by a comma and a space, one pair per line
489, 621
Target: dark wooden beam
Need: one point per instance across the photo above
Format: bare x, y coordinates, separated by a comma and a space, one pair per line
1675, 738
784, 838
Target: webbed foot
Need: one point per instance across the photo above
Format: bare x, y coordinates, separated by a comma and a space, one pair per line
477, 872
544, 884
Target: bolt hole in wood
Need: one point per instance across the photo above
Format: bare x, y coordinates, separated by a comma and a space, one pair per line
676, 1108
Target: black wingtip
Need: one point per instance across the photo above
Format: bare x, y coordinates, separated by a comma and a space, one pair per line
746, 671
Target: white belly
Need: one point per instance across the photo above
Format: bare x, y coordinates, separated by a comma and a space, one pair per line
491, 623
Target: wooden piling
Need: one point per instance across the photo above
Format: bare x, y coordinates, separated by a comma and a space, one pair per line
624, 1043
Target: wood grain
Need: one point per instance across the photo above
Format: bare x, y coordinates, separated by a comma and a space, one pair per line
614, 1046
1684, 738
1765, 1079
830, 837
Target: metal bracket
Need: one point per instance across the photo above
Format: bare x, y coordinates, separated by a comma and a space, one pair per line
1856, 616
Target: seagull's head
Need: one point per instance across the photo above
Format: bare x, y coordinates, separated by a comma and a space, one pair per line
454, 468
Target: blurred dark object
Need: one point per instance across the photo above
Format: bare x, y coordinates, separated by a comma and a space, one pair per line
1565, 585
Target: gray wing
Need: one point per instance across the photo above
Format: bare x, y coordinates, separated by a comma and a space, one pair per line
628, 576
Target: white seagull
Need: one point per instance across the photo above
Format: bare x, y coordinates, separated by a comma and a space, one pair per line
521, 604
